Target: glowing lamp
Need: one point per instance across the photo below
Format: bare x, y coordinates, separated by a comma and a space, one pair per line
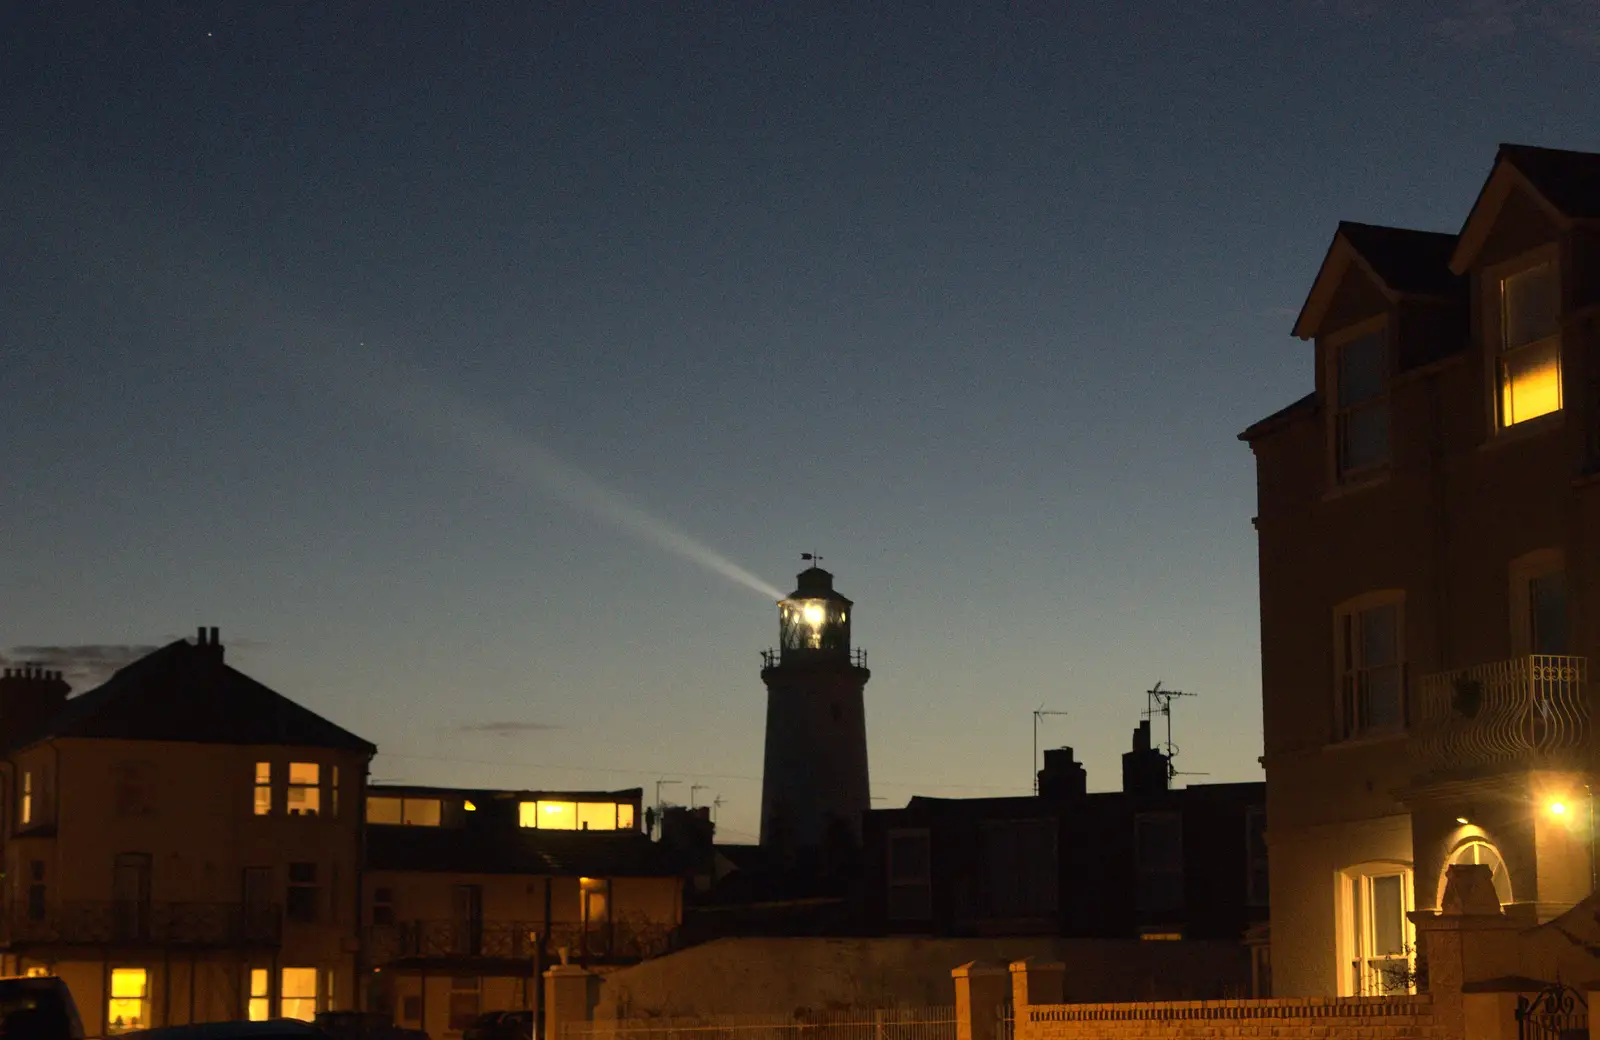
1462, 820
1557, 809
814, 621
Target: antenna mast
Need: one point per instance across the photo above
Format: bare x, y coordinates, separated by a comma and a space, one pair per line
1038, 714
1159, 702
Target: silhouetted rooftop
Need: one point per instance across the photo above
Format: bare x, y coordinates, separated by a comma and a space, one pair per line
185, 692
1407, 260
521, 851
1569, 180
1279, 417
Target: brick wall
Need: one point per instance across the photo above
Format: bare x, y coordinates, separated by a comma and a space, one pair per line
1371, 1018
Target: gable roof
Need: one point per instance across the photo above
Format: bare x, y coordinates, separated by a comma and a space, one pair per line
1402, 261
185, 692
1566, 183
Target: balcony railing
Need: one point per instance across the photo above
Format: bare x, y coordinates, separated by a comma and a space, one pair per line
110, 922
1523, 711
623, 939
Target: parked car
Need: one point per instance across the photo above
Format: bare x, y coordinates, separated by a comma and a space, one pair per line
275, 1029
38, 1007
500, 1025
363, 1025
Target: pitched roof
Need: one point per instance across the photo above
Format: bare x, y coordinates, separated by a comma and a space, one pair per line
1280, 417
521, 851
1565, 183
185, 692
1403, 261
1568, 180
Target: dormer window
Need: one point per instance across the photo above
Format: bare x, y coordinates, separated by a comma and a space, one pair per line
1361, 434
1530, 344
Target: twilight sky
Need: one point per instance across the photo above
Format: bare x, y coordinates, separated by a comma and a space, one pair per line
454, 359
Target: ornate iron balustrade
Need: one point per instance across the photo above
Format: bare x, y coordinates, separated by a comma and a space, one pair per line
1503, 713
627, 938
110, 922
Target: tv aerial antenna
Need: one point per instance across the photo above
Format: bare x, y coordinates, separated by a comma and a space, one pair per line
1158, 701
1039, 713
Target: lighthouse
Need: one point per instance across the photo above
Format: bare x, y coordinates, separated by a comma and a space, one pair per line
814, 780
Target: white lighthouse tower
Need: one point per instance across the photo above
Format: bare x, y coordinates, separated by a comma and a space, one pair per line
815, 776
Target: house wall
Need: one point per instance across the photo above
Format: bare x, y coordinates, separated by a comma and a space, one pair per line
1371, 1018
1459, 504
764, 976
189, 807
425, 895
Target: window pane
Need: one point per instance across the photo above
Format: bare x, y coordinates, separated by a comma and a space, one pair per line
1361, 365
1547, 601
125, 1010
1364, 437
422, 812
558, 816
1381, 701
263, 804
1388, 916
1379, 638
263, 772
304, 773
260, 1004
383, 810
304, 801
298, 993
1531, 301
1530, 382
597, 816
528, 814
625, 817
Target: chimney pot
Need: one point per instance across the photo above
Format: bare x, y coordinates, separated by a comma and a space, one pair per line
200, 638
215, 641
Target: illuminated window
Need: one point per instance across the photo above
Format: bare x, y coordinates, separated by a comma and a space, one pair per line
597, 816
625, 817
297, 994
558, 816
1158, 936
1530, 344
1362, 422
263, 788
305, 789
129, 1006
467, 806
1371, 671
303, 902
1378, 936
528, 814
412, 812
260, 997
26, 812
36, 972
1486, 854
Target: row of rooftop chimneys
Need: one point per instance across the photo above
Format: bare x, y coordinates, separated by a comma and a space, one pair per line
1145, 770
30, 671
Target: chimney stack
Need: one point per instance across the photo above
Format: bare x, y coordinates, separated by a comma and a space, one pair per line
1063, 776
28, 696
1144, 769
210, 640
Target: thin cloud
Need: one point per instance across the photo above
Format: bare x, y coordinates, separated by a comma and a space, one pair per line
1476, 23
82, 666
506, 728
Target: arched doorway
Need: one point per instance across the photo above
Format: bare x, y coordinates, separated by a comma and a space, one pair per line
1478, 851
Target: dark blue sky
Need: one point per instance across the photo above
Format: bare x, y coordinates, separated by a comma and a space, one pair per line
315, 318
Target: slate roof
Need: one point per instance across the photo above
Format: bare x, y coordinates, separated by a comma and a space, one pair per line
185, 692
520, 851
1408, 260
1570, 180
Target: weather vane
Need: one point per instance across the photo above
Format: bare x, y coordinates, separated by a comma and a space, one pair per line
815, 558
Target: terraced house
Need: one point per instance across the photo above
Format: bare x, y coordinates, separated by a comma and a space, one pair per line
183, 844
1429, 533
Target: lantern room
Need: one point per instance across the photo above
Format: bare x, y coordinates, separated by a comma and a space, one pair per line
814, 621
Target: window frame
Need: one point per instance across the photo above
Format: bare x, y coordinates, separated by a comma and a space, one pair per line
1522, 572
310, 792
1357, 973
143, 999
1495, 314
285, 999
1159, 887
294, 885
1347, 726
1334, 345
919, 905
26, 817
262, 786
